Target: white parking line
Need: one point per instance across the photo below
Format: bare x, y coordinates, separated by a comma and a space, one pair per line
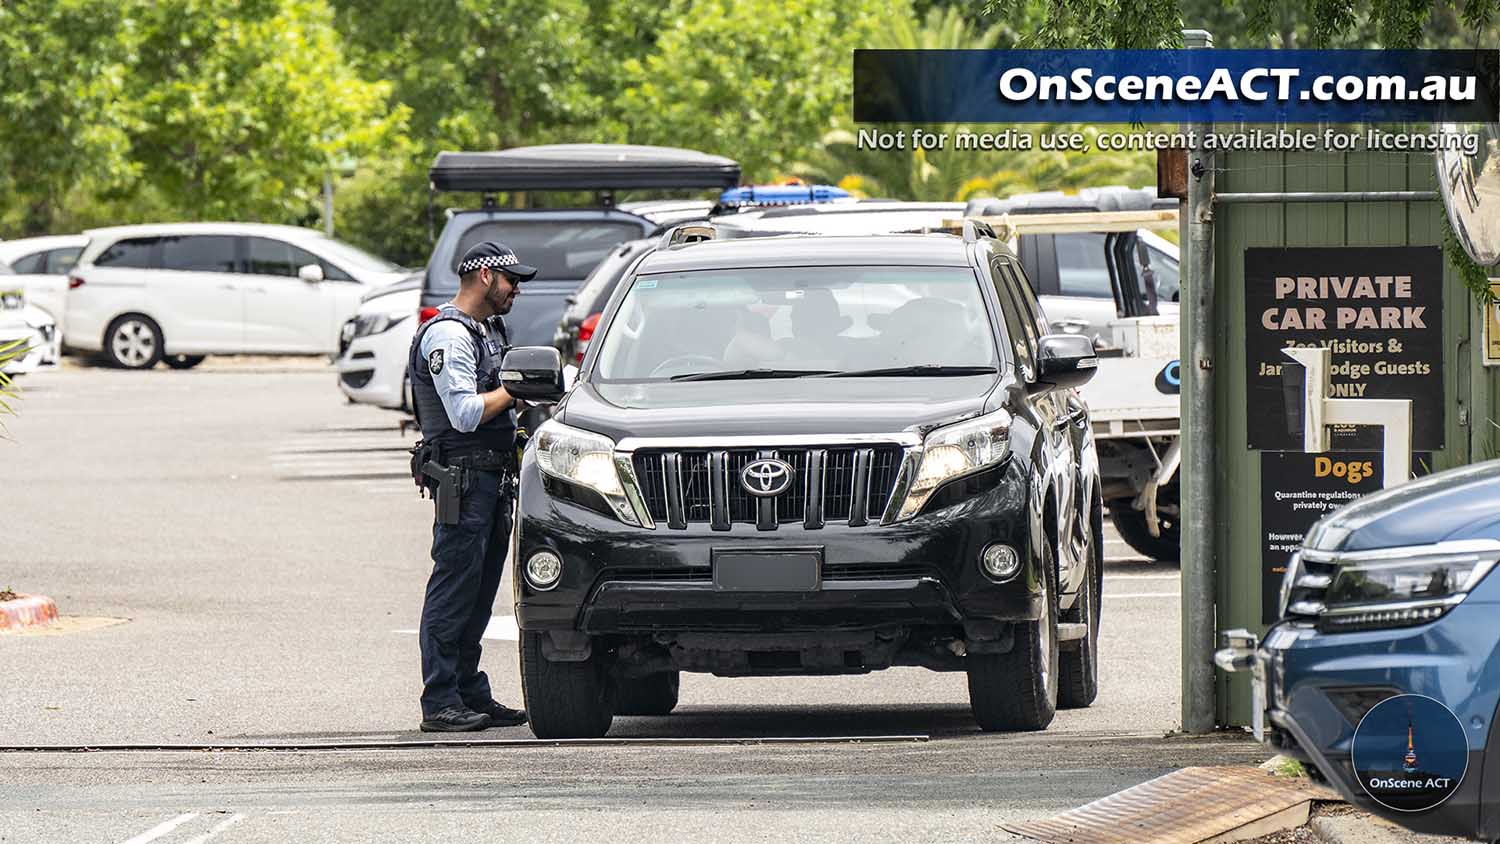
1143, 595
1110, 578
218, 828
502, 627
161, 829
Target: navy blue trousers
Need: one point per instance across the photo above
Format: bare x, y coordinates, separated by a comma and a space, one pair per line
467, 560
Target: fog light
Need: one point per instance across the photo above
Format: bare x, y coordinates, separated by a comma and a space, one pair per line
1000, 562
543, 569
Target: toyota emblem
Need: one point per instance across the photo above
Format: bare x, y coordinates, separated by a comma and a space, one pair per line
766, 478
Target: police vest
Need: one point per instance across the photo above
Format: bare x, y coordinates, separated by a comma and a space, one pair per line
499, 433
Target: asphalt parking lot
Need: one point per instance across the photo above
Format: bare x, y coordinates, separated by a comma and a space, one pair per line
266, 552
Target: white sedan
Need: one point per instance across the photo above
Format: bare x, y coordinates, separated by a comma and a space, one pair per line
41, 265
177, 292
24, 327
374, 345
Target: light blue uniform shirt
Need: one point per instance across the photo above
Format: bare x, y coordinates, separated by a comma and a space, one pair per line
455, 380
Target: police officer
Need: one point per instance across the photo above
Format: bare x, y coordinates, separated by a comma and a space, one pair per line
468, 451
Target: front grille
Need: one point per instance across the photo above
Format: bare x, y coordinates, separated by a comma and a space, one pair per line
849, 484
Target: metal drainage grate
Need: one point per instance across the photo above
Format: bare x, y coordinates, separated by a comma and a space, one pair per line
1184, 807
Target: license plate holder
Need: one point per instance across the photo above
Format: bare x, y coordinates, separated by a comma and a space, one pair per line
799, 570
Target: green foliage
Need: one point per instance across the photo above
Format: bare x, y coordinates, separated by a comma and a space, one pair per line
752, 79
239, 108
193, 109
9, 351
62, 85
1474, 277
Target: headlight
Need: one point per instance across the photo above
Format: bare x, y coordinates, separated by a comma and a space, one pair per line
954, 451
368, 324
1385, 590
586, 459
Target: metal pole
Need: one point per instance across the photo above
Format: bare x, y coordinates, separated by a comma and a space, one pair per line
1199, 708
328, 203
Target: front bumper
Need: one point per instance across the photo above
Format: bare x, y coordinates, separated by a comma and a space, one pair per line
1317, 686
43, 350
620, 579
372, 369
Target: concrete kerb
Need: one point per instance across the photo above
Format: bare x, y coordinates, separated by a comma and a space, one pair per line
27, 611
1366, 829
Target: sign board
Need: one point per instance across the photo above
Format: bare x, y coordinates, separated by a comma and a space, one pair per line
1296, 490
1379, 309
1492, 325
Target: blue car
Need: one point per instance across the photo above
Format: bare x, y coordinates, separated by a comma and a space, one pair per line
1393, 596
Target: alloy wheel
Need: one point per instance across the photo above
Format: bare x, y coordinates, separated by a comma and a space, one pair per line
134, 343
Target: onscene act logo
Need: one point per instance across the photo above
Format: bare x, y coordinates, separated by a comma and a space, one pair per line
1410, 753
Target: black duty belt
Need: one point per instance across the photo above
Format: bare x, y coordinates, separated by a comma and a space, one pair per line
486, 459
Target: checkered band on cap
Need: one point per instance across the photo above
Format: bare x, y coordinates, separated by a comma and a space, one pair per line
488, 261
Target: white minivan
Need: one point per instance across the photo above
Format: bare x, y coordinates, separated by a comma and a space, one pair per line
178, 292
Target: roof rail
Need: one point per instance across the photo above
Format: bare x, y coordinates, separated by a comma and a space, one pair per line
687, 233
975, 229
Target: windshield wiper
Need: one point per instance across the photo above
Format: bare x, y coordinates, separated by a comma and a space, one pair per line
925, 369
737, 374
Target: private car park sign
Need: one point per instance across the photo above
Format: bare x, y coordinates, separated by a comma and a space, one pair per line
1380, 312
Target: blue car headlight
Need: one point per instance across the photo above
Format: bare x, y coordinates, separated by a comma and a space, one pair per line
1391, 587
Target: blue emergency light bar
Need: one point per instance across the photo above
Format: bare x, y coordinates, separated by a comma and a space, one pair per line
780, 195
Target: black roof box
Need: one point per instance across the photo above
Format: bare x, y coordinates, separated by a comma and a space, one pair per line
582, 167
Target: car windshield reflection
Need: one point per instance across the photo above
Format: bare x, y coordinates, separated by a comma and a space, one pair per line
775, 323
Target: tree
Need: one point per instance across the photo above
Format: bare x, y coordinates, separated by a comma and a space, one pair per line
752, 79
192, 108
240, 107
62, 81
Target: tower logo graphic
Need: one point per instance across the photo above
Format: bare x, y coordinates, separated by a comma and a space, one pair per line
1409, 762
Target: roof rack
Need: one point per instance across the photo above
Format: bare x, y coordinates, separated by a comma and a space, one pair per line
1007, 226
687, 234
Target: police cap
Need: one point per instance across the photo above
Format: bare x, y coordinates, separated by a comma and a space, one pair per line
495, 255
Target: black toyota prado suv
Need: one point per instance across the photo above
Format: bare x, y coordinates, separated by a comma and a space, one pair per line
811, 455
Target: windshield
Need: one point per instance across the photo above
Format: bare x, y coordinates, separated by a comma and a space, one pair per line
352, 257
812, 320
559, 249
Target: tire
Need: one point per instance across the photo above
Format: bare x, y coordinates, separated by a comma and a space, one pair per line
653, 695
1131, 525
565, 699
1017, 691
183, 361
133, 341
1078, 663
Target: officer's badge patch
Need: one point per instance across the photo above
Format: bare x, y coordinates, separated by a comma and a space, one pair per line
435, 361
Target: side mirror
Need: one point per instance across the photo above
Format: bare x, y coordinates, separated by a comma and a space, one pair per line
533, 373
1066, 360
311, 273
